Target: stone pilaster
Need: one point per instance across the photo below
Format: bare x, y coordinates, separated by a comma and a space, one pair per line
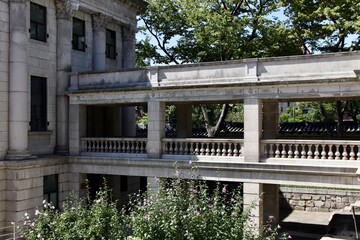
271, 203
252, 129
128, 42
64, 11
252, 199
18, 82
100, 21
156, 128
77, 128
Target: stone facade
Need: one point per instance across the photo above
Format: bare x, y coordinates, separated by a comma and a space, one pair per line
317, 200
30, 153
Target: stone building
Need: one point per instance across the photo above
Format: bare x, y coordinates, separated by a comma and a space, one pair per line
67, 111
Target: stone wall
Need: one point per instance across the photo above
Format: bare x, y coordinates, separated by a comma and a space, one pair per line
4, 73
316, 200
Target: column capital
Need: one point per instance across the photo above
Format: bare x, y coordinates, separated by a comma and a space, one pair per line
100, 21
129, 32
65, 8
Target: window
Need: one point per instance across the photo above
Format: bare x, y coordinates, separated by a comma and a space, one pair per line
51, 189
37, 22
78, 37
123, 183
110, 44
38, 104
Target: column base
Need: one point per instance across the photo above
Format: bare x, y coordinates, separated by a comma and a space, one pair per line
18, 155
63, 151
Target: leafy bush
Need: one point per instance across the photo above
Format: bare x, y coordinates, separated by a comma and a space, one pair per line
80, 219
189, 209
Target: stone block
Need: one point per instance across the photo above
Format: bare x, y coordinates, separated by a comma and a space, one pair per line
306, 197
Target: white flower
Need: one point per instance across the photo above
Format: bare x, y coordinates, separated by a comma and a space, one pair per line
37, 212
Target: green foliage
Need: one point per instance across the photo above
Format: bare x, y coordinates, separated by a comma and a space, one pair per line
188, 31
189, 209
324, 25
80, 219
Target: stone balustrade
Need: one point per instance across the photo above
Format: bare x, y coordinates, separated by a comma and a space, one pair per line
205, 146
311, 149
113, 145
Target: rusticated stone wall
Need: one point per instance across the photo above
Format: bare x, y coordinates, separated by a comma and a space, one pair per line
316, 200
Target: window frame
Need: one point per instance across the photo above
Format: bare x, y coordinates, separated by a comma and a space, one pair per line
110, 44
38, 28
38, 104
77, 36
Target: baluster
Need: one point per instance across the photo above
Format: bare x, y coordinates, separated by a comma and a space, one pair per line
137, 148
296, 152
207, 149
283, 152
303, 151
202, 150
337, 153
213, 149
330, 153
218, 149
83, 144
271, 152
266, 152
93, 146
316, 153
121, 147
323, 151
345, 154
277, 151
186, 148
309, 152
290, 152
176, 148
224, 150
191, 150
358, 153
197, 151
111, 146
98, 146
352, 153
229, 152
118, 146
236, 151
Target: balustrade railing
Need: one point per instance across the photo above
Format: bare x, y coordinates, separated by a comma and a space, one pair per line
9, 232
311, 149
114, 145
203, 146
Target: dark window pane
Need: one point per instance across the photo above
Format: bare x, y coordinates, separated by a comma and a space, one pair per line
38, 104
78, 41
110, 44
37, 22
50, 189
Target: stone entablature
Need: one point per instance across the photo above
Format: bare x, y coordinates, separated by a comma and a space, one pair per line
317, 199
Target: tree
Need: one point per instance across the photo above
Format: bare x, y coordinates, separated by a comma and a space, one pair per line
324, 25
191, 31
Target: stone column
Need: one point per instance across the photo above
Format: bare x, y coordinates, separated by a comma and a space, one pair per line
100, 22
271, 203
64, 10
77, 128
252, 129
128, 121
270, 119
252, 199
18, 82
128, 49
156, 128
183, 120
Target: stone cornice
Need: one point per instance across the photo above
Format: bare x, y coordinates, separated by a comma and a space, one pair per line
19, 1
65, 8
